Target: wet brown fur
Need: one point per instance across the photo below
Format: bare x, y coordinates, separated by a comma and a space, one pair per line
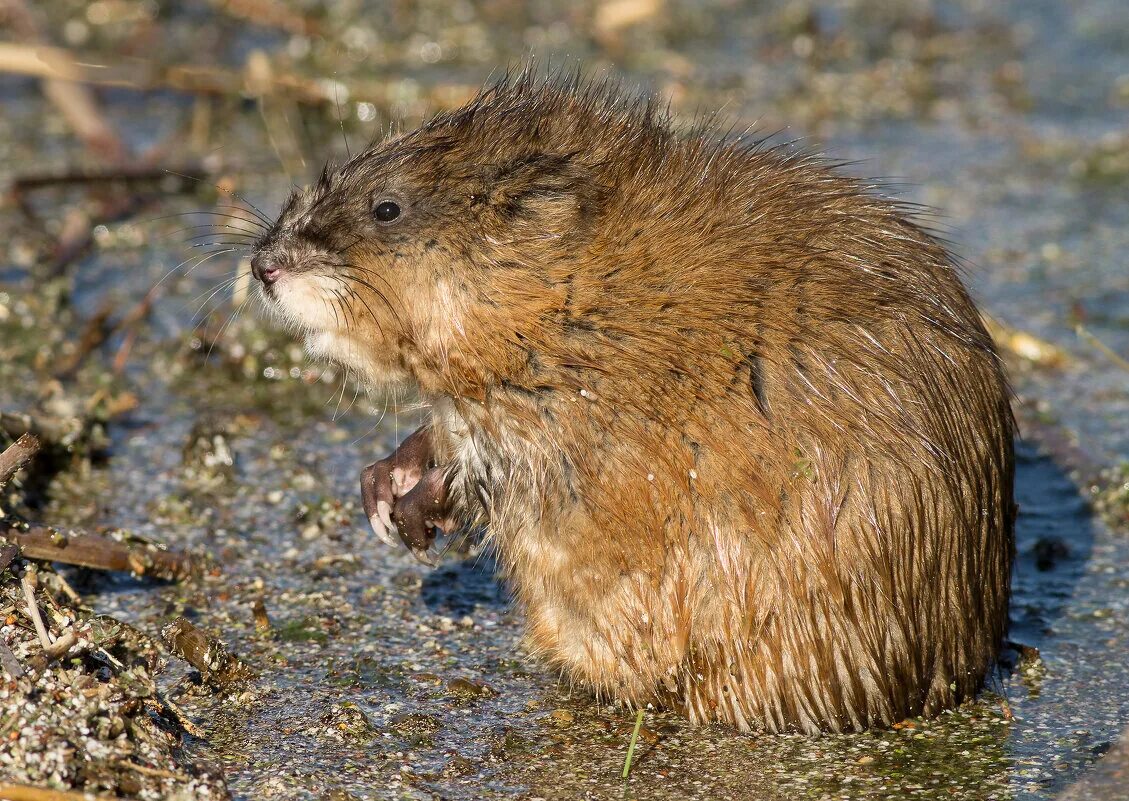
739, 438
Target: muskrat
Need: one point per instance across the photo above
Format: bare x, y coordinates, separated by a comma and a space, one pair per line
728, 418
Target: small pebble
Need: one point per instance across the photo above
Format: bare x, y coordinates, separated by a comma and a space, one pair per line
561, 717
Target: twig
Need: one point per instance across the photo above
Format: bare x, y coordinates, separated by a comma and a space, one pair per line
98, 330
29, 583
102, 553
1110, 353
18, 454
94, 333
61, 646
74, 101
77, 234
123, 173
158, 772
269, 13
129, 324
56, 63
65, 642
100, 70
161, 704
26, 792
67, 589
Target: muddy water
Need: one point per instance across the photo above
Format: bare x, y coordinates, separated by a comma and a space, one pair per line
385, 680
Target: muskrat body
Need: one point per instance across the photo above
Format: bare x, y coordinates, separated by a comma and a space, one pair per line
733, 426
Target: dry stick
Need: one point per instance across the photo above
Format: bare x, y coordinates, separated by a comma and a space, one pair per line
18, 454
121, 358
158, 772
269, 13
86, 549
57, 63
80, 109
129, 324
94, 333
76, 235
54, 62
98, 330
57, 649
124, 173
26, 792
1110, 353
29, 583
67, 589
164, 707
62, 84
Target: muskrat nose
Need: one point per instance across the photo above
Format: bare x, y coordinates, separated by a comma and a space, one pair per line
264, 268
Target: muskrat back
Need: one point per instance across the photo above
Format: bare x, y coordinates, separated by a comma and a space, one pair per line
730, 419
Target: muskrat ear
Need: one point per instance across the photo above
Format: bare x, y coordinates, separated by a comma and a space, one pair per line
553, 189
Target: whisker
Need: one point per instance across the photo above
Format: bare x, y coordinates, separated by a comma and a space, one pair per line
229, 193
214, 232
350, 265
223, 327
356, 394
208, 213
364, 303
202, 259
378, 293
199, 315
379, 420
253, 210
341, 119
237, 244
343, 304
333, 306
341, 396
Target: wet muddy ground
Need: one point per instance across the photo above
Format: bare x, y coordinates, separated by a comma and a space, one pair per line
379, 678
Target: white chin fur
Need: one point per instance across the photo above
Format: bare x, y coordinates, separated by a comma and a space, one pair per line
307, 302
340, 348
306, 305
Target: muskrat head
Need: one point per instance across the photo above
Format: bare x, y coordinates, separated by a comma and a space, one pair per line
430, 258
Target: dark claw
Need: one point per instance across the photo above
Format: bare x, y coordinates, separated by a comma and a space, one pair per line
418, 514
376, 495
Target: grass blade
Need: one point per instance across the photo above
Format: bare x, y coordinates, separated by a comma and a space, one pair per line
634, 740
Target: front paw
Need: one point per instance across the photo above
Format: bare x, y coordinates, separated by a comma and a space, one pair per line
405, 496
417, 514
393, 477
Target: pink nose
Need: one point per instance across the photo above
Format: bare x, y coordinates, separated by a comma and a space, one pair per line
264, 268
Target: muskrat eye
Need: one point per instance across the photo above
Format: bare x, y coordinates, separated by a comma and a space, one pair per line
386, 210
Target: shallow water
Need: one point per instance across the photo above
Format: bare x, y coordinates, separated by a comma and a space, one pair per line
1011, 117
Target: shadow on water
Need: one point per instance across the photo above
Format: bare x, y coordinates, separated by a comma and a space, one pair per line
461, 588
1054, 538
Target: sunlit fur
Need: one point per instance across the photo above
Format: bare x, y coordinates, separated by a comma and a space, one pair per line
740, 441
